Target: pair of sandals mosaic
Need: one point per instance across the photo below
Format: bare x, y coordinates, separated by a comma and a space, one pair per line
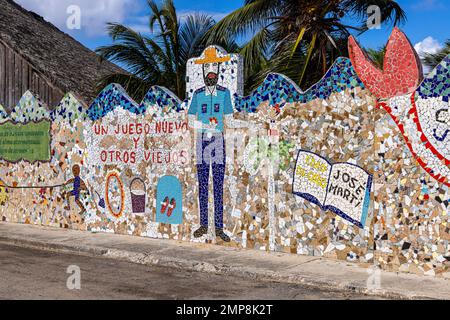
168, 206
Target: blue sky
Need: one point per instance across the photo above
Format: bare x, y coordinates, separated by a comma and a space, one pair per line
427, 26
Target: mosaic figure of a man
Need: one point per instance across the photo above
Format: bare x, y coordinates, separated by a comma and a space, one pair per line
210, 107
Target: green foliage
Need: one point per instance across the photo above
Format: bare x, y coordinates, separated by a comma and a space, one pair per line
161, 58
377, 56
286, 157
261, 149
432, 60
300, 39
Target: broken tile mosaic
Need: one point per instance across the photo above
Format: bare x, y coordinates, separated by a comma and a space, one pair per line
132, 168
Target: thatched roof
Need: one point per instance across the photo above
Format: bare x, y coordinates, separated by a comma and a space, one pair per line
65, 62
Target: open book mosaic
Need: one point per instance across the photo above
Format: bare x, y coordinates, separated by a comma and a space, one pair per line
355, 168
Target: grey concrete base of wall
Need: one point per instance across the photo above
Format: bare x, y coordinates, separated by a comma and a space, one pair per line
309, 271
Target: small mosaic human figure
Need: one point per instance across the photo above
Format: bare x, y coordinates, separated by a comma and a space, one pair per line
3, 193
211, 105
78, 185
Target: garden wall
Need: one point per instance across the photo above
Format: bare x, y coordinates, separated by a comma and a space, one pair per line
340, 170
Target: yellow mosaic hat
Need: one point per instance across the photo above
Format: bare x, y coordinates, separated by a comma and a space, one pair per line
211, 57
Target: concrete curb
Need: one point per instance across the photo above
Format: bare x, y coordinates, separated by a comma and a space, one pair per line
197, 266
313, 272
200, 266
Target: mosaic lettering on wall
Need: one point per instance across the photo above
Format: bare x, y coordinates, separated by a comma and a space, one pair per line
25, 141
128, 144
126, 149
221, 168
412, 194
343, 188
49, 192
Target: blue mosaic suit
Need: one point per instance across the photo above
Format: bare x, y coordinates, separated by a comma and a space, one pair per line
211, 148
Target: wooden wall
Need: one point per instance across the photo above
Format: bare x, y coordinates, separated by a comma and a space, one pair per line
18, 76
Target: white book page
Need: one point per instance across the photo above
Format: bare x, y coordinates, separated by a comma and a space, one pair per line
311, 176
347, 189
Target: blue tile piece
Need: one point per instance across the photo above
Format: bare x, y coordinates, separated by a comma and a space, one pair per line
114, 96
69, 109
161, 97
3, 114
278, 89
109, 99
437, 83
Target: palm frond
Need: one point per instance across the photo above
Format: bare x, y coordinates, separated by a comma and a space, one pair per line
377, 56
192, 33
432, 60
254, 51
250, 18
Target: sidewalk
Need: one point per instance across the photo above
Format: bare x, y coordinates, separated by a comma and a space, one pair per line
310, 271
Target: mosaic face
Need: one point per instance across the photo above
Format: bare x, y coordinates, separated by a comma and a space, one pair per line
211, 73
229, 75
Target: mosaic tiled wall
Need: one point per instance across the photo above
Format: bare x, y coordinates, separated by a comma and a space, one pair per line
412, 167
370, 186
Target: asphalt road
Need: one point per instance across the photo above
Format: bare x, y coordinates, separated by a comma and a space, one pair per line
34, 274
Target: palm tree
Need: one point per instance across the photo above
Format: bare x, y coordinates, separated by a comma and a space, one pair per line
432, 60
159, 59
377, 56
300, 38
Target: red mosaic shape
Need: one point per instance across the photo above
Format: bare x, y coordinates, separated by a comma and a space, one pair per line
402, 72
412, 148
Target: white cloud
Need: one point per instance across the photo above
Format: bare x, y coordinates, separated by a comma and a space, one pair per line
94, 13
427, 45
